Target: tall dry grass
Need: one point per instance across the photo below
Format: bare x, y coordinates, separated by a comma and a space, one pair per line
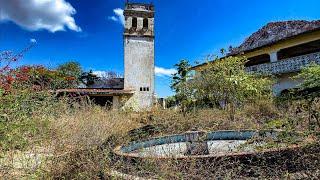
79, 139
83, 139
71, 144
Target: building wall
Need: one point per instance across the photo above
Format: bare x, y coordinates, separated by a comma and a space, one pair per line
285, 82
139, 71
139, 56
116, 102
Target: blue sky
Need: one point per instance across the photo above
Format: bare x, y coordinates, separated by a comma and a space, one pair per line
82, 30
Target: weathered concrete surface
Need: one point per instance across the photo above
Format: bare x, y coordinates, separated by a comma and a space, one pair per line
285, 82
196, 143
139, 57
218, 147
228, 150
139, 71
116, 102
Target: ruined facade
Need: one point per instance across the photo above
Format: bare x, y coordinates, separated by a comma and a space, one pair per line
281, 49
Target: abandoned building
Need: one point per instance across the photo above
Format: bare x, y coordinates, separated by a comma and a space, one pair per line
136, 90
281, 49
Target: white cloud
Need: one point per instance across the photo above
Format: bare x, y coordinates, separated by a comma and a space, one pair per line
100, 73
118, 17
33, 41
113, 18
159, 71
34, 15
107, 74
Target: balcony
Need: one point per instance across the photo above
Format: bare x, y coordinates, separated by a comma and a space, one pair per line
284, 66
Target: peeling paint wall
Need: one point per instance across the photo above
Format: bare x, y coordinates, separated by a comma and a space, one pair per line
139, 69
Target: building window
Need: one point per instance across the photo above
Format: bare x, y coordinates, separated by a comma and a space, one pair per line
299, 50
256, 60
134, 22
144, 89
145, 23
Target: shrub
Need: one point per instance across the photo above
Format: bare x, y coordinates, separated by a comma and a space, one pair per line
226, 82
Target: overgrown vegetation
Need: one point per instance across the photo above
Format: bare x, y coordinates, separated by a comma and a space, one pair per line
222, 84
44, 137
179, 79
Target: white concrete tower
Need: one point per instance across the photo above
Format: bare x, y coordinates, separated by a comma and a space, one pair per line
139, 54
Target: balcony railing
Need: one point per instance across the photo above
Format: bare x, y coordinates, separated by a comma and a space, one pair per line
288, 65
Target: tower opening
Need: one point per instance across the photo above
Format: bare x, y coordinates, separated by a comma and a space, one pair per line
134, 22
145, 23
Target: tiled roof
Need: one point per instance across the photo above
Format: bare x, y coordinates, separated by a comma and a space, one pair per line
107, 83
274, 32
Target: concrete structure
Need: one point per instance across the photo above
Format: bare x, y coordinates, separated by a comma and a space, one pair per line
139, 54
196, 144
199, 155
136, 91
281, 49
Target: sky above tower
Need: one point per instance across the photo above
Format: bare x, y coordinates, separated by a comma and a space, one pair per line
90, 32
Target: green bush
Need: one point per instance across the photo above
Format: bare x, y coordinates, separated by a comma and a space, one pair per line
225, 82
23, 118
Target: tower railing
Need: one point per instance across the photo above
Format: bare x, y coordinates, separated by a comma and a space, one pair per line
284, 66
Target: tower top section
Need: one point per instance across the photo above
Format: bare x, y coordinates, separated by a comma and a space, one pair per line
139, 19
139, 10
140, 7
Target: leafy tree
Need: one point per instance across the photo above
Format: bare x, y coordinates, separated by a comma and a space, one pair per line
35, 78
226, 82
171, 101
70, 69
179, 80
181, 76
7, 57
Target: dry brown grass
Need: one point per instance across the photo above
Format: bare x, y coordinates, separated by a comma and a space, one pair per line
80, 139
85, 138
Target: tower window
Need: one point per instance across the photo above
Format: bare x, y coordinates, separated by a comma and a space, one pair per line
143, 89
145, 23
134, 22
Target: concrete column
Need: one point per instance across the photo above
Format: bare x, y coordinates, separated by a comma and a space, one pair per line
274, 56
140, 23
162, 103
129, 22
116, 102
